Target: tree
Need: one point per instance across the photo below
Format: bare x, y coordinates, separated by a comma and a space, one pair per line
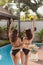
3, 2
33, 6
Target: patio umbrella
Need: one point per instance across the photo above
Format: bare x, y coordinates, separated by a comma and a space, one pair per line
4, 14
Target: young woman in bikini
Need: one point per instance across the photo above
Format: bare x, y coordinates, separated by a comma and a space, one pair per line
16, 43
27, 40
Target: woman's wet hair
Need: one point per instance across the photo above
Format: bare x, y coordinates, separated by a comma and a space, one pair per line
29, 34
14, 35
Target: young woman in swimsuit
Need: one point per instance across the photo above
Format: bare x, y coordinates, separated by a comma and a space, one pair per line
16, 43
27, 40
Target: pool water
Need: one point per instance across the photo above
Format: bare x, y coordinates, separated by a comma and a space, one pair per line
38, 44
5, 58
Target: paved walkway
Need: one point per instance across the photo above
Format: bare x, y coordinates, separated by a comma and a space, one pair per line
40, 62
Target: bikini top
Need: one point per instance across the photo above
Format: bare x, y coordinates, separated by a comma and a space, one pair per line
26, 43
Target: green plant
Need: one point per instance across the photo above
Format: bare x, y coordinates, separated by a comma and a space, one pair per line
4, 28
15, 27
3, 2
40, 35
3, 32
0, 31
21, 35
4, 42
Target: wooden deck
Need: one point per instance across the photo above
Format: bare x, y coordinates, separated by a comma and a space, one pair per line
40, 61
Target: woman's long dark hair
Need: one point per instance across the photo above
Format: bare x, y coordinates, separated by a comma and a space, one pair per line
29, 34
14, 36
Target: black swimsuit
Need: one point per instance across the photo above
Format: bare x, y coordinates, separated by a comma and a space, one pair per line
26, 51
14, 52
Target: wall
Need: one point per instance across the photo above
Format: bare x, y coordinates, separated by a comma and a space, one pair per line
24, 25
3, 22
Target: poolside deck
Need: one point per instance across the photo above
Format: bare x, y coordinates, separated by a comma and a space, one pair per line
40, 62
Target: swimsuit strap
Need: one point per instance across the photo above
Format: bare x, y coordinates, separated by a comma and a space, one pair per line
26, 43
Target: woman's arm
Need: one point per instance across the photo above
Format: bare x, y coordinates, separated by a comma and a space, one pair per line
10, 29
11, 25
33, 26
33, 22
20, 43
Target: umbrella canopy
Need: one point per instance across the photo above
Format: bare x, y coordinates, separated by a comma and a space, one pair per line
4, 14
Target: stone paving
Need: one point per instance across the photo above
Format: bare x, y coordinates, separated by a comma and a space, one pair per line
40, 61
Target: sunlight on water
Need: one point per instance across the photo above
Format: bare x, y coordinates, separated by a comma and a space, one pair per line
0, 57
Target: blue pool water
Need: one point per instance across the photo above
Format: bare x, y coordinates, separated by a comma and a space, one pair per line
38, 44
5, 58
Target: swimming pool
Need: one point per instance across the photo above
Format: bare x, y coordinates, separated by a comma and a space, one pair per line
5, 58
